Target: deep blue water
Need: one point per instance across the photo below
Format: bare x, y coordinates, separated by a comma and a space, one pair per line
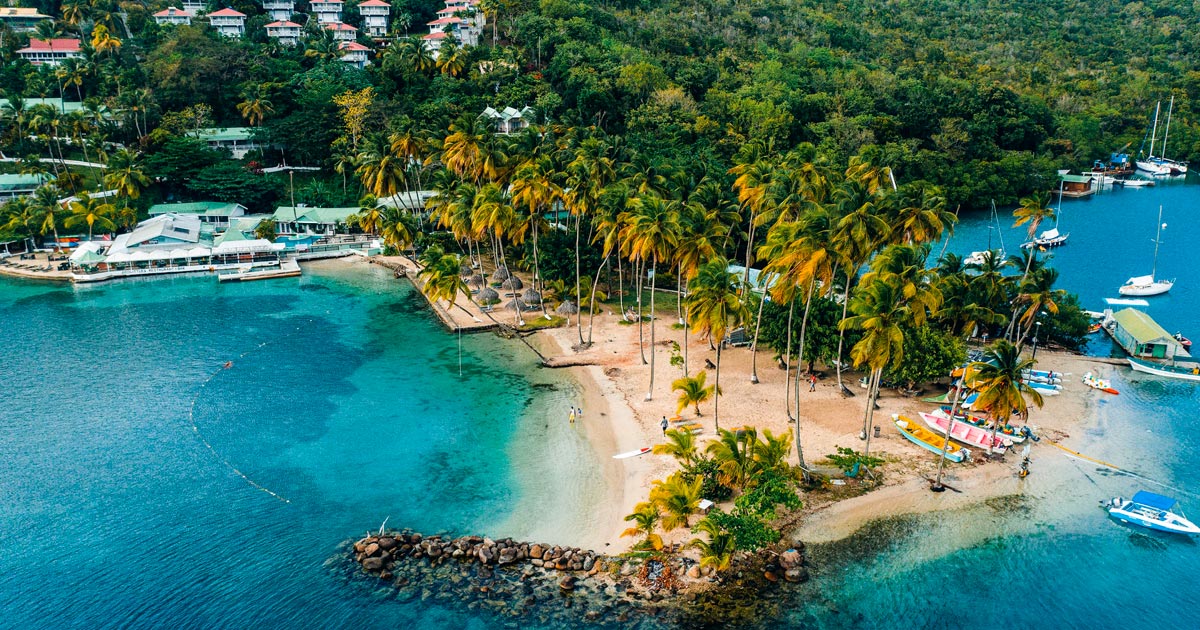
344, 399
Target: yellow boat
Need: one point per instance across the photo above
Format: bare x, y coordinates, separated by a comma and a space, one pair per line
694, 427
929, 440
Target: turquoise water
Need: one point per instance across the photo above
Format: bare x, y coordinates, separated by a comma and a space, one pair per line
344, 399
1052, 558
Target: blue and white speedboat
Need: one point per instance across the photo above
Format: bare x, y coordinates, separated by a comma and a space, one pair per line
1152, 511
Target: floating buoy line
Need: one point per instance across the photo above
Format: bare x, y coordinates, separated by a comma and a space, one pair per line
1129, 473
228, 365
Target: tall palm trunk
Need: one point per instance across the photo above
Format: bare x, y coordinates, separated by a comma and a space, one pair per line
1024, 277
641, 339
873, 393
842, 335
653, 326
800, 361
754, 343
937, 481
787, 365
538, 284
717, 392
578, 320
592, 299
620, 285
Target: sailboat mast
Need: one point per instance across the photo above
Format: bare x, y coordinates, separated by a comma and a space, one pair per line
1157, 240
1154, 129
1167, 132
1057, 214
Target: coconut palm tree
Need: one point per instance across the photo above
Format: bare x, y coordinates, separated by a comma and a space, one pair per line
713, 306
733, 454
451, 59
702, 230
920, 214
681, 445
693, 391
93, 211
398, 228
369, 217
645, 518
21, 216
45, 202
1033, 210
880, 312
859, 231
256, 103
103, 41
1002, 390
677, 499
652, 231
125, 174
1037, 295
717, 551
769, 454
533, 187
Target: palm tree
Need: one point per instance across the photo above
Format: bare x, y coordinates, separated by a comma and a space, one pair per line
920, 215
681, 445
93, 211
1002, 390
1037, 295
103, 41
692, 391
533, 187
256, 104
652, 231
732, 452
124, 173
769, 454
645, 517
21, 215
717, 551
45, 203
399, 228
702, 226
451, 59
713, 306
859, 231
1033, 210
381, 171
880, 313
677, 498
369, 217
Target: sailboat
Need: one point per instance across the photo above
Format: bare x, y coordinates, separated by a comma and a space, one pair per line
1155, 165
977, 258
1051, 237
1147, 285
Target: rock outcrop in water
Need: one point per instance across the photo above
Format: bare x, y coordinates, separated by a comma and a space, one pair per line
567, 586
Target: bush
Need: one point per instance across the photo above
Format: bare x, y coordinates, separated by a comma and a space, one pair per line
711, 488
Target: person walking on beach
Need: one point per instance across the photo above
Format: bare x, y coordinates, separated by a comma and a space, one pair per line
579, 413
664, 425
572, 416
812, 382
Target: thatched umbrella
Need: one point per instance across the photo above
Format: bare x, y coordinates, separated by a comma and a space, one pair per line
514, 305
487, 296
513, 283
501, 274
475, 280
465, 269
531, 297
567, 308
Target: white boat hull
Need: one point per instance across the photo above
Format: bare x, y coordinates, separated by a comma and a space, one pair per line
1146, 367
1157, 170
1144, 290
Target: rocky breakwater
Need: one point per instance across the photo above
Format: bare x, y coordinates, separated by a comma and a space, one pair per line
515, 582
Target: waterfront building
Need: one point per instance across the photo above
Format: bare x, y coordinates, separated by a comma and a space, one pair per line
375, 14
21, 19
13, 185
50, 52
236, 140
228, 22
171, 15
1141, 336
355, 54
509, 120
342, 32
287, 33
306, 220
279, 10
328, 11
217, 214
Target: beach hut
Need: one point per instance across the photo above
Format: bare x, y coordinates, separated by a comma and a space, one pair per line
1142, 337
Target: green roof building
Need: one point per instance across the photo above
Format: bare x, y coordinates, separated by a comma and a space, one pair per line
237, 140
1142, 337
214, 213
304, 220
14, 185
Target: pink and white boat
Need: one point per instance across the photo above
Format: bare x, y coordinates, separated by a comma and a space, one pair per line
966, 433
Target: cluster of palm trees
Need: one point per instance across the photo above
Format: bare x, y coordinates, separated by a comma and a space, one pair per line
741, 460
50, 207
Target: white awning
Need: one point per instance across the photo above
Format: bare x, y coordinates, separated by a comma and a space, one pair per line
164, 254
119, 257
198, 252
139, 256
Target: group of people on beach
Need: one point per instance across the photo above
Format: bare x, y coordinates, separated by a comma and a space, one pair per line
576, 414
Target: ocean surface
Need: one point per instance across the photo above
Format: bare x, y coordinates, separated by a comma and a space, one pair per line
142, 484
343, 407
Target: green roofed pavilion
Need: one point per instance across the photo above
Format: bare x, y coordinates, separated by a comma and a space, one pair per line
1141, 336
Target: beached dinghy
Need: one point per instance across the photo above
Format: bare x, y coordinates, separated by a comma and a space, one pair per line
1045, 389
968, 434
628, 454
929, 440
1152, 511
1008, 431
1101, 384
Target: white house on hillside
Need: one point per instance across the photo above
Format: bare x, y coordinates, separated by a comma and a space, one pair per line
288, 33
355, 54
509, 120
20, 19
279, 10
171, 15
228, 22
375, 15
50, 52
342, 32
328, 11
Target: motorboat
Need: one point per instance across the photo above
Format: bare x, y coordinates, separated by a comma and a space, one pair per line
1152, 511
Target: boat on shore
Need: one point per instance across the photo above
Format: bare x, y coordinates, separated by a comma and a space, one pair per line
1045, 389
1189, 373
929, 440
1008, 431
968, 434
1101, 384
1152, 511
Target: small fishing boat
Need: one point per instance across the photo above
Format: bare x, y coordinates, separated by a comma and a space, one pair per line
1183, 341
1147, 285
1010, 433
968, 434
1095, 328
1101, 384
628, 454
1130, 182
1152, 511
929, 440
1190, 372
